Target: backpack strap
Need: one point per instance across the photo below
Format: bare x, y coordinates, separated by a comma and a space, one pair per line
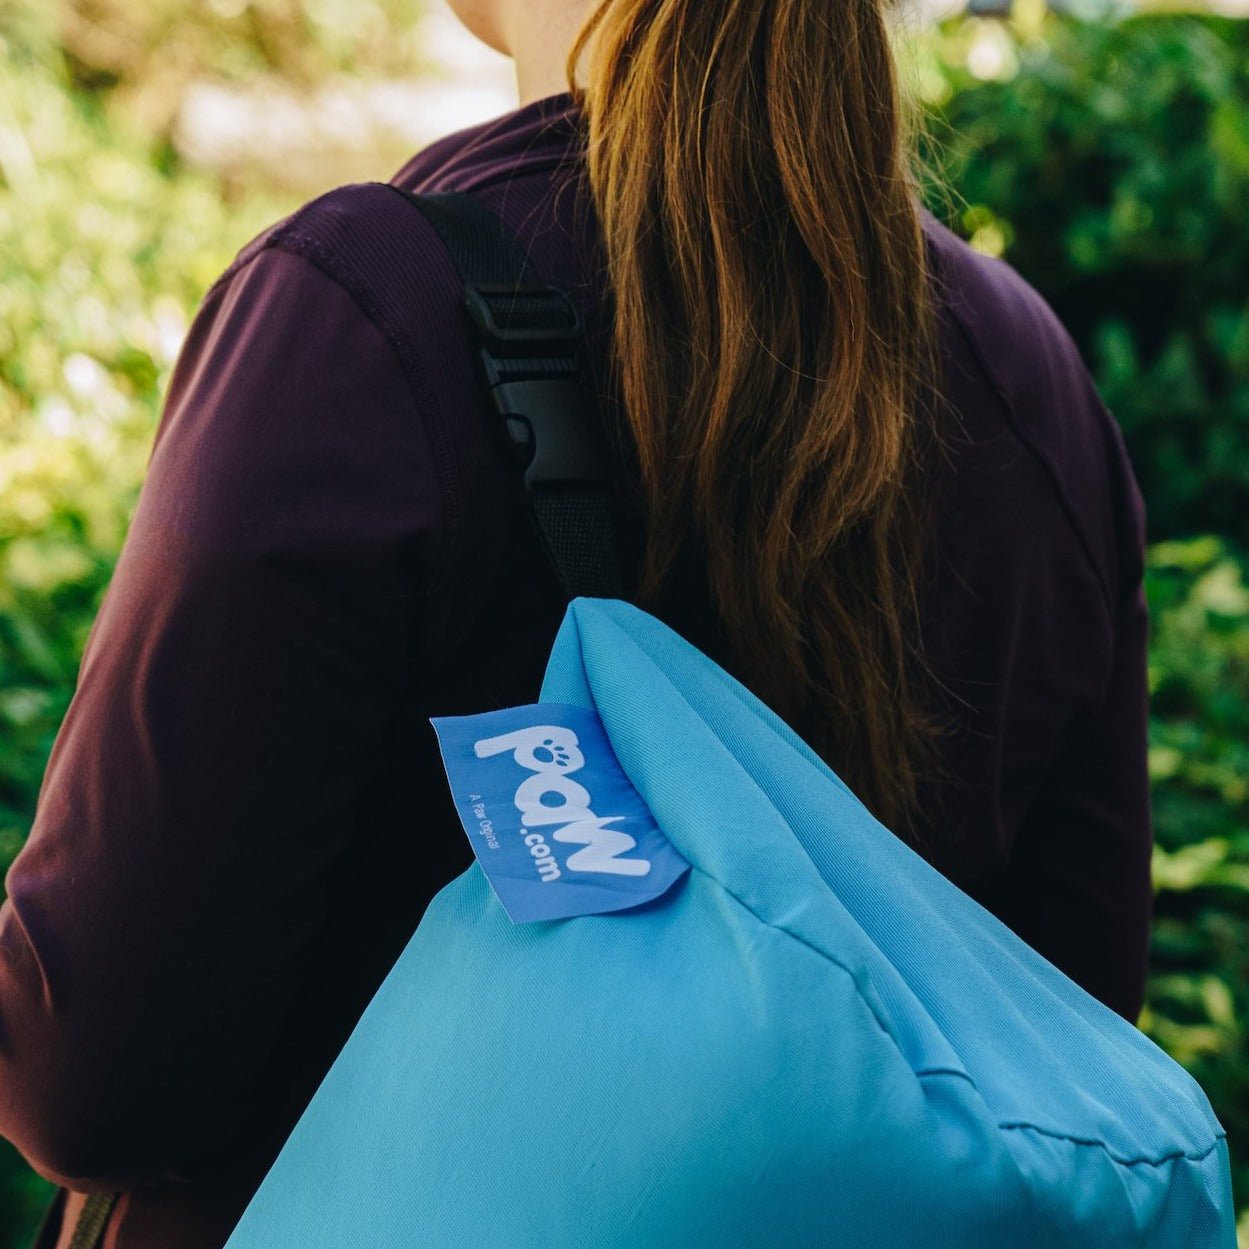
92, 1220
530, 342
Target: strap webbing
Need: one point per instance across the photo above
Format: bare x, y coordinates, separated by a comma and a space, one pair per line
531, 344
484, 251
92, 1220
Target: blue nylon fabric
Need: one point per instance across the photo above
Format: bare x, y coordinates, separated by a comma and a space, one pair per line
813, 1039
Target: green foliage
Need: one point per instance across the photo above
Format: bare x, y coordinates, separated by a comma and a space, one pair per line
23, 1199
1198, 1007
1110, 165
141, 56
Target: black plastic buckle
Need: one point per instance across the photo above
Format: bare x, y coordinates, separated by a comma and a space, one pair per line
530, 367
552, 426
482, 299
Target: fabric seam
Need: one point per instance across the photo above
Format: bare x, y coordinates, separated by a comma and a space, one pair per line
1173, 1156
294, 242
929, 1072
834, 962
314, 250
1029, 444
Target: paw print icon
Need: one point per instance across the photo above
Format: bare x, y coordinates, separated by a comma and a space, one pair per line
542, 748
550, 754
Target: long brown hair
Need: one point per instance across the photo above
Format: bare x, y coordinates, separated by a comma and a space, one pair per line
751, 165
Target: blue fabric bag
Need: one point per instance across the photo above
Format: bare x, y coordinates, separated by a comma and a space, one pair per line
808, 1038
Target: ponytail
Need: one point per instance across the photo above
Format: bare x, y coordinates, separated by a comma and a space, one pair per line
750, 166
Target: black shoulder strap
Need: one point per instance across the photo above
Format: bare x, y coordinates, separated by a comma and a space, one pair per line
530, 341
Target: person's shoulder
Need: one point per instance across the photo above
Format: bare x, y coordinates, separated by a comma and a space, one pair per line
1010, 329
459, 160
369, 237
996, 327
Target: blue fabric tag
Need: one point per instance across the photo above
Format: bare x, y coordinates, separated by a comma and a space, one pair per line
554, 822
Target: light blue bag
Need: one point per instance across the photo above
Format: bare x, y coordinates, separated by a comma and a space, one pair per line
809, 1038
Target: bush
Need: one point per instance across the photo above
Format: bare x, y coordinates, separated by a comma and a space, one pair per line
1199, 764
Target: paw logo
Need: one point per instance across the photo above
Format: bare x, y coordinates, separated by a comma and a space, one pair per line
550, 797
552, 755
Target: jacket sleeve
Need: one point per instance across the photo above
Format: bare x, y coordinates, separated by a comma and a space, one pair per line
231, 706
1079, 888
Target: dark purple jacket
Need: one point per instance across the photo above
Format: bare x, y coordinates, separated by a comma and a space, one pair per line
244, 815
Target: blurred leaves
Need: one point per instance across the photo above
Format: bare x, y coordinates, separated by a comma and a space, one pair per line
142, 56
1198, 1006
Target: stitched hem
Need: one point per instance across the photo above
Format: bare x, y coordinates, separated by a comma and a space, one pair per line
1095, 1142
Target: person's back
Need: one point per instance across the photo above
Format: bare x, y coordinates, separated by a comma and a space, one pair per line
245, 816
